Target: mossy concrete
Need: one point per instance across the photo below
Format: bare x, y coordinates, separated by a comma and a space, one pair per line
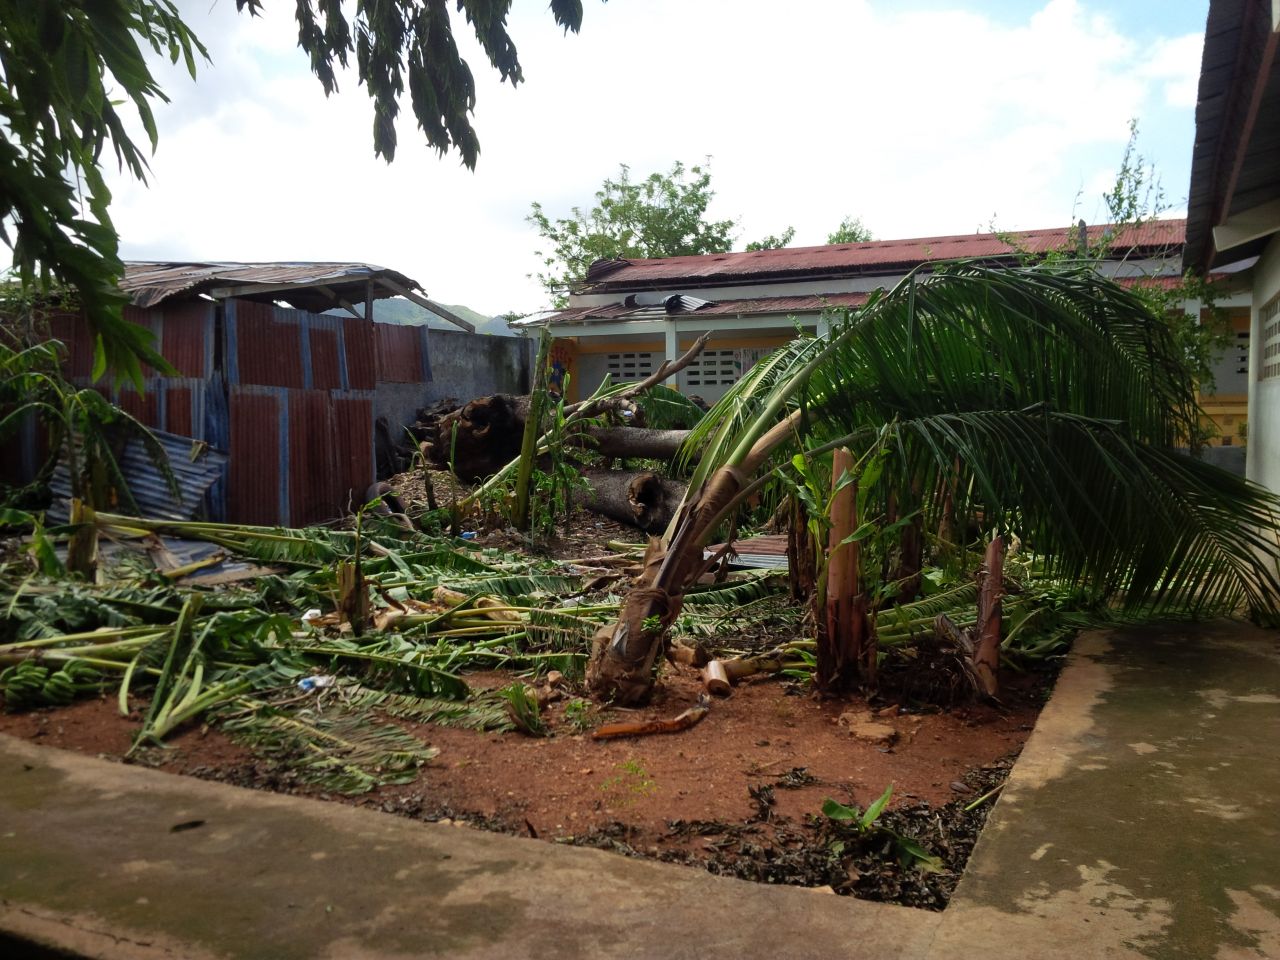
1143, 818
106, 860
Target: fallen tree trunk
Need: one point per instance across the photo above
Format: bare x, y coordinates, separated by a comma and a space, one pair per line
635, 442
642, 499
480, 437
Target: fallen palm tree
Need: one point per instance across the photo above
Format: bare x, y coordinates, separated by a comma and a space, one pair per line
1043, 403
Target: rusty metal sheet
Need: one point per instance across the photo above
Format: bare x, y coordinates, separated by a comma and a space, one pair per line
358, 339
311, 445
326, 359
873, 257
73, 331
255, 491
400, 353
354, 457
145, 407
149, 283
179, 417
186, 330
263, 345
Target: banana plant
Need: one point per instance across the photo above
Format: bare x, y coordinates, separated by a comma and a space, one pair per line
1043, 402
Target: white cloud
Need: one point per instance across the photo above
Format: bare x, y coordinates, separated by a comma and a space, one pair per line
919, 122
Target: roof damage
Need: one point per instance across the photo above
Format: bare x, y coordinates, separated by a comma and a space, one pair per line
873, 258
314, 287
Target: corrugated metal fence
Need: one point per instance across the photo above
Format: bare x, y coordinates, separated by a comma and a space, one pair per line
287, 394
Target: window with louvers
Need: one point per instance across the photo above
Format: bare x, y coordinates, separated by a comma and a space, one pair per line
713, 368
1269, 322
629, 367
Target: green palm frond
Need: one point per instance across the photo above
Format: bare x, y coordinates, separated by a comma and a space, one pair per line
1050, 401
754, 585
517, 586
551, 629
347, 753
480, 711
711, 440
668, 409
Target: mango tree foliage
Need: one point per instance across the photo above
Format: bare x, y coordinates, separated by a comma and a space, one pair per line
663, 215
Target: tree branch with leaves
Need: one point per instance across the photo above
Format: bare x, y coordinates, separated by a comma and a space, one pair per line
661, 215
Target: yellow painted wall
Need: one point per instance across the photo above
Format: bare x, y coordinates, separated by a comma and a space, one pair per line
1226, 414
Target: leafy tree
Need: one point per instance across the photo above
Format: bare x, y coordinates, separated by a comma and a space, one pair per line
69, 66
399, 41
851, 230
663, 215
773, 242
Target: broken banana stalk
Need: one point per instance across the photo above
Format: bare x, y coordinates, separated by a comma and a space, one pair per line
643, 728
775, 661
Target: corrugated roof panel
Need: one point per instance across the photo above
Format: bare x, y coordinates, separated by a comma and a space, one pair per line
195, 467
150, 282
759, 306
254, 491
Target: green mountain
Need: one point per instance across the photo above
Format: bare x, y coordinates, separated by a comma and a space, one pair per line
399, 310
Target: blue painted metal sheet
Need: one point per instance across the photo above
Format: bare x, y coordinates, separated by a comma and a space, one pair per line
195, 466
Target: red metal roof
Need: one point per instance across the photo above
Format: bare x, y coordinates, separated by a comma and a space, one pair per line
873, 257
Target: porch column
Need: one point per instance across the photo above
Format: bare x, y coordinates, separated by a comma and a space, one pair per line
671, 350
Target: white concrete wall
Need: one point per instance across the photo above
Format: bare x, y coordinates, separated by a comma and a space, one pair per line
1263, 464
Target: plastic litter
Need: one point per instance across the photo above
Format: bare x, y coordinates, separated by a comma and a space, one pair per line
468, 534
307, 684
312, 614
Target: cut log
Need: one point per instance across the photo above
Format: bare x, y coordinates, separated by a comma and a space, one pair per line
642, 499
481, 437
636, 442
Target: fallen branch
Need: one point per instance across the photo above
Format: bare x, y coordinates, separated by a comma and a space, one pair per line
667, 369
643, 728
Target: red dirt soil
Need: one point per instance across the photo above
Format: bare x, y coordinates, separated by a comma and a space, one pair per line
568, 784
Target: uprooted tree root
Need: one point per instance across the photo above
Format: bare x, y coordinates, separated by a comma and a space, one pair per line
928, 670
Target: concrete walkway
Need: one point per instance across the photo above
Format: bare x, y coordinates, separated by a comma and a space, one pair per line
1143, 817
1142, 820
113, 861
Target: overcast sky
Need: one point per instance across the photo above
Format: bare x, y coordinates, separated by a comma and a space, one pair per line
922, 118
